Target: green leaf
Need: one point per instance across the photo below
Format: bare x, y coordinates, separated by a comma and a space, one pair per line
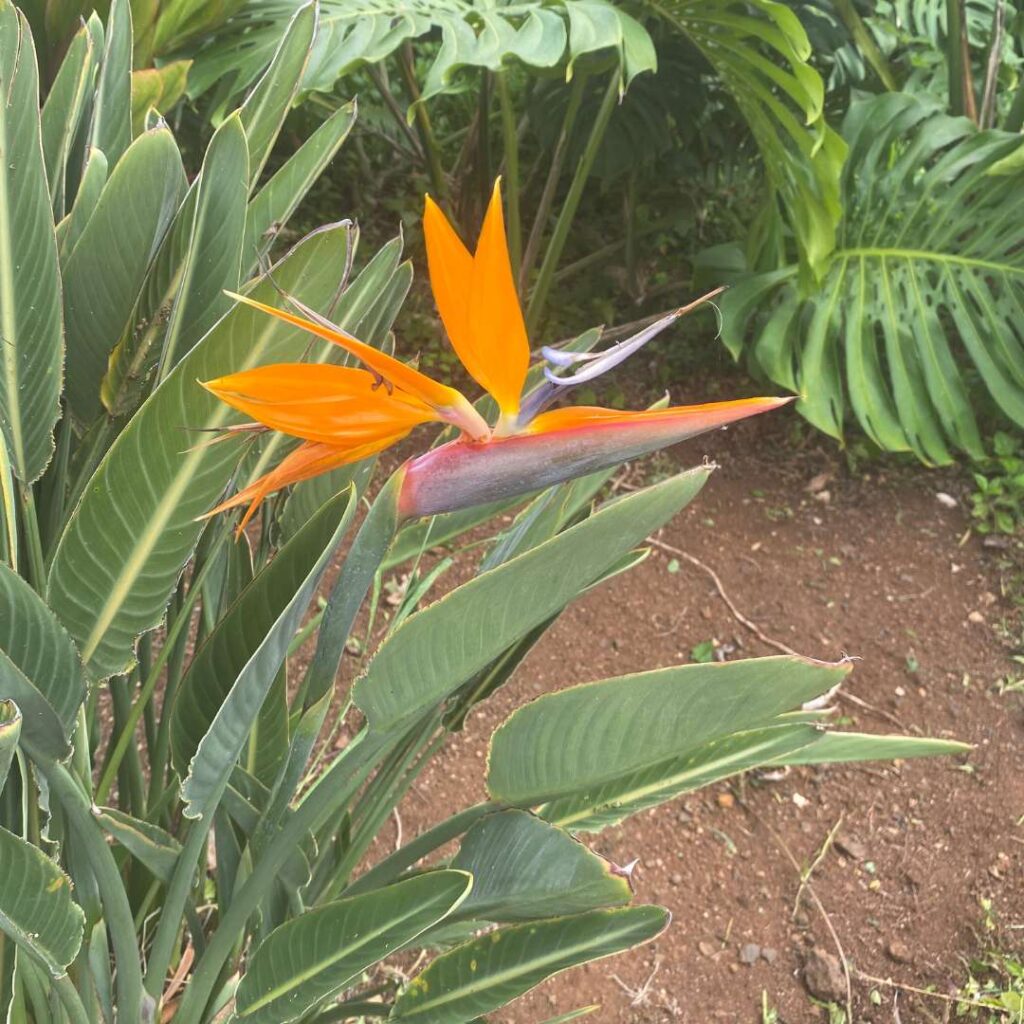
212, 261
317, 954
608, 803
39, 666
272, 207
265, 108
919, 308
436, 650
839, 747
488, 972
308, 495
124, 547
524, 868
112, 108
590, 735
90, 188
220, 697
268, 741
31, 349
36, 909
760, 53
105, 271
157, 89
10, 732
62, 112
148, 843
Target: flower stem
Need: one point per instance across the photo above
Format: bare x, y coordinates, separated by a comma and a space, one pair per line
426, 129
510, 143
572, 202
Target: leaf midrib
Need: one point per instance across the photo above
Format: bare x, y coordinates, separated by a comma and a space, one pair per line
928, 255
520, 969
125, 580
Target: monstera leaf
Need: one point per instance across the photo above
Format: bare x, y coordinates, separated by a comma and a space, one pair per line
760, 52
473, 34
921, 301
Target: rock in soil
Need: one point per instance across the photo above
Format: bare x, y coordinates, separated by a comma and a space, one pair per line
851, 846
750, 953
899, 952
823, 976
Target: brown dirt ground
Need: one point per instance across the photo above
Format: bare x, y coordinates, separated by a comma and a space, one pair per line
866, 563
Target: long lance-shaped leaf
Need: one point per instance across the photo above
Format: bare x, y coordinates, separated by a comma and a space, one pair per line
578, 739
596, 807
231, 674
135, 527
148, 843
488, 972
63, 110
105, 272
39, 666
215, 248
272, 207
36, 909
265, 108
10, 731
90, 188
524, 868
112, 107
436, 650
315, 956
838, 747
31, 346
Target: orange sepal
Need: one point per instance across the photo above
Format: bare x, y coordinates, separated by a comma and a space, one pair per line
700, 417
308, 460
476, 297
451, 405
335, 405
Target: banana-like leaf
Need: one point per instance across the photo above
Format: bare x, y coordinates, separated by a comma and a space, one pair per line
925, 288
271, 207
524, 868
229, 678
488, 972
112, 106
10, 732
133, 530
581, 738
316, 955
436, 650
213, 259
157, 89
472, 36
105, 271
90, 188
36, 909
306, 497
62, 112
149, 844
837, 747
265, 108
761, 53
39, 666
31, 346
608, 803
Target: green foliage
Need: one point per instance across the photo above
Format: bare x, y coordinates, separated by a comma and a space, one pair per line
927, 267
997, 503
215, 780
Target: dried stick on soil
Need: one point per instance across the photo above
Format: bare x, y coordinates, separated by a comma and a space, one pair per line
805, 876
781, 843
736, 613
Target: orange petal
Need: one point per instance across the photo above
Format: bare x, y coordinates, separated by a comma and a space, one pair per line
308, 460
335, 405
478, 303
450, 404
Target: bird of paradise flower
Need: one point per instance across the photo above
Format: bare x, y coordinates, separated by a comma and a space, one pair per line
343, 414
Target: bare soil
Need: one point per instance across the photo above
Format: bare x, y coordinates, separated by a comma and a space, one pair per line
829, 562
